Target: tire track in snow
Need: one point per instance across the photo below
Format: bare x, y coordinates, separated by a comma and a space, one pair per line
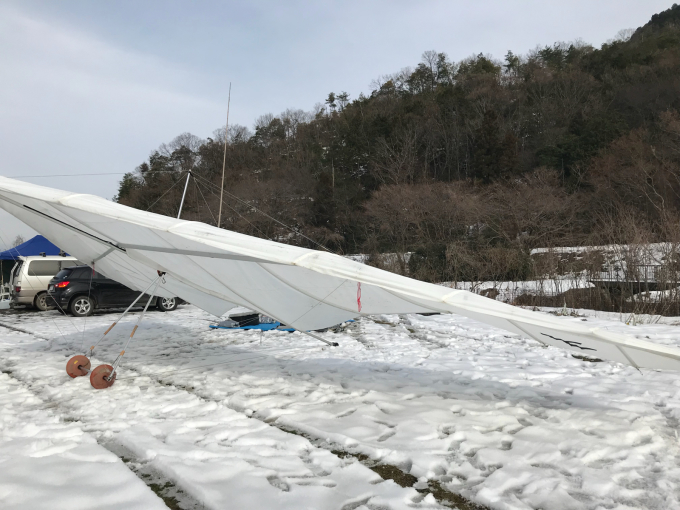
278, 481
21, 330
385, 471
356, 331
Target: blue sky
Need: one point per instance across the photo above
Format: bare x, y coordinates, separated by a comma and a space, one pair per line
94, 86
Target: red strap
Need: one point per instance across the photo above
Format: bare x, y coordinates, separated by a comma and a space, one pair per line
359, 295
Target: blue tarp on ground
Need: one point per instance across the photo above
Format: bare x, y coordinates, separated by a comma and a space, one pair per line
34, 246
262, 327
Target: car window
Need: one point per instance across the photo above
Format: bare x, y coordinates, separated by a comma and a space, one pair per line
63, 274
43, 268
17, 267
70, 263
83, 272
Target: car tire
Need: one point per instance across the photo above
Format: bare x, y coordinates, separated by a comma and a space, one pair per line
81, 306
41, 302
166, 304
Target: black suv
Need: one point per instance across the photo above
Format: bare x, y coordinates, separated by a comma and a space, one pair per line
71, 290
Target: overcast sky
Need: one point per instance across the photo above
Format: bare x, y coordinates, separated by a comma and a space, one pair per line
93, 86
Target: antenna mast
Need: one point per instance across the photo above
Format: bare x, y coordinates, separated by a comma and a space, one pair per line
224, 161
186, 185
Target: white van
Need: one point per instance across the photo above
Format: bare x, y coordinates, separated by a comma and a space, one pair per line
31, 275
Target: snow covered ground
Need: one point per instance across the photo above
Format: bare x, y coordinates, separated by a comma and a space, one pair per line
240, 419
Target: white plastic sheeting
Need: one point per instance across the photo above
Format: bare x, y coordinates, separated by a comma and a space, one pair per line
216, 269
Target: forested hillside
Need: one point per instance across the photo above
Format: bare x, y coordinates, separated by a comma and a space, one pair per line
468, 164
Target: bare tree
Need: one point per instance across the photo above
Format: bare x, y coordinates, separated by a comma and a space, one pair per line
185, 140
397, 157
292, 119
263, 121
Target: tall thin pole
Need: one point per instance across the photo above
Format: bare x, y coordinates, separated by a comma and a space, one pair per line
186, 185
224, 161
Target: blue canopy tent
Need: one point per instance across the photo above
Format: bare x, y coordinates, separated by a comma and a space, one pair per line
34, 246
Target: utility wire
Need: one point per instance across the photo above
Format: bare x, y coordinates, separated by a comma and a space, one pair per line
268, 216
204, 200
196, 178
168, 191
79, 175
60, 175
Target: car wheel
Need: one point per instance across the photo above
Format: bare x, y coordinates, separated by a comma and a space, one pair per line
41, 302
166, 304
82, 306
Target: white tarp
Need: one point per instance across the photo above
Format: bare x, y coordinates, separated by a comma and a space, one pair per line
216, 269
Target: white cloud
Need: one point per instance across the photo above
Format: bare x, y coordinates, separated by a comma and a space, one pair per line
72, 102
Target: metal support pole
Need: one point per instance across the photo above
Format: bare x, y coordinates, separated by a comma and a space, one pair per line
224, 161
134, 330
186, 185
124, 314
332, 344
